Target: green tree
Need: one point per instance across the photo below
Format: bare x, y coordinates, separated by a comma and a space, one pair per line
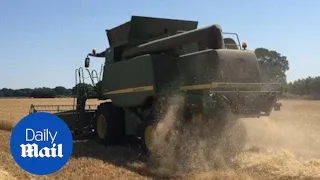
273, 65
26, 92
309, 86
315, 87
43, 93
62, 91
7, 92
87, 88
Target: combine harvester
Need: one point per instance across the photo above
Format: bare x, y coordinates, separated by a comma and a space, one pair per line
151, 59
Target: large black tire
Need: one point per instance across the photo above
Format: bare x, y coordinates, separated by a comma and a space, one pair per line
109, 124
149, 124
146, 133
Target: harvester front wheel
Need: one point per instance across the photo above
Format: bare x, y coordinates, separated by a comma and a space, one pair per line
148, 127
147, 137
101, 126
109, 124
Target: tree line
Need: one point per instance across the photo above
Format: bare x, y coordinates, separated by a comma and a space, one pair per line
45, 92
306, 88
273, 68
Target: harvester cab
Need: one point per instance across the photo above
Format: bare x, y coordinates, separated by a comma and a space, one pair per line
150, 60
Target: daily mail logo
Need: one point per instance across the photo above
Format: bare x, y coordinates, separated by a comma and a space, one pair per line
32, 150
41, 143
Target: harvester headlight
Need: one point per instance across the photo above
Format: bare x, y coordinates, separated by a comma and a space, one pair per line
244, 45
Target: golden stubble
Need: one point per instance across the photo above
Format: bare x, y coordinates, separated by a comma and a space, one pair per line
284, 145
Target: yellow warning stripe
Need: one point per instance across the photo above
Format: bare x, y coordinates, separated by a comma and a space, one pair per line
130, 90
198, 87
226, 85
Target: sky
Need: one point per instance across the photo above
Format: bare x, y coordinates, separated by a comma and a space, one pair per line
43, 42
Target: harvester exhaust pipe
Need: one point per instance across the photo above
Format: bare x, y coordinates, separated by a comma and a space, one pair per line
211, 37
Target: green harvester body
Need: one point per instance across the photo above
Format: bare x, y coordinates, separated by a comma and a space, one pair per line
149, 58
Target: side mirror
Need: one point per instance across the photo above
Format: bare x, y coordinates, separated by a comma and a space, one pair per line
87, 62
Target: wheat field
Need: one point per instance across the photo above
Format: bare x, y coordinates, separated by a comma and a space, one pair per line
285, 145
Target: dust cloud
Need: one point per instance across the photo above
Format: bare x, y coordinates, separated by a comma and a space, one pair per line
285, 145
191, 147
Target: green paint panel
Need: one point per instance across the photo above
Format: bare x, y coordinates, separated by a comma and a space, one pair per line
133, 73
221, 65
159, 71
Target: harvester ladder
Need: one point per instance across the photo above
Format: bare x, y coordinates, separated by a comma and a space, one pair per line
80, 97
94, 75
78, 76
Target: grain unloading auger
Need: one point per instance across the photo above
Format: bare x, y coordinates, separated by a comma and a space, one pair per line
151, 59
